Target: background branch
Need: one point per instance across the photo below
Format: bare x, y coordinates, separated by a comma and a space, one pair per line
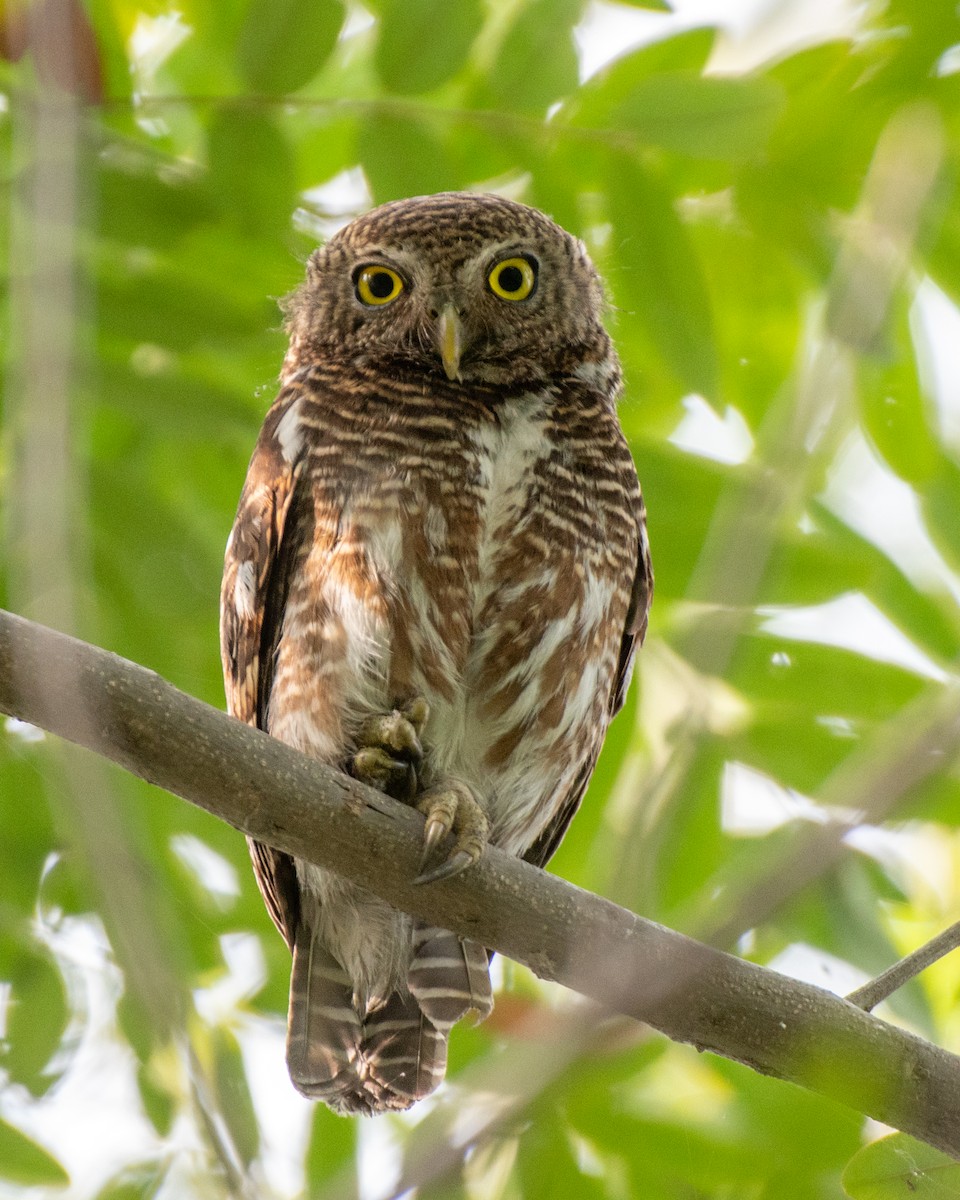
907, 968
689, 991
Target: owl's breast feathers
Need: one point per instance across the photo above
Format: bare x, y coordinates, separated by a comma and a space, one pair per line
486, 552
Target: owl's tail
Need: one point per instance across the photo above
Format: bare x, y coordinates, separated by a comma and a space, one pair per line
396, 1055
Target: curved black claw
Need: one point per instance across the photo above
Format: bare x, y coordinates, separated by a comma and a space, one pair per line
457, 862
390, 753
451, 808
377, 769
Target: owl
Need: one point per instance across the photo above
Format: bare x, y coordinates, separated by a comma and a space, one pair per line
436, 581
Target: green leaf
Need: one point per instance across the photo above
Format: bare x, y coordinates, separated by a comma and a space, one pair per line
536, 63
941, 505
422, 43
929, 618
703, 116
110, 43
658, 275
546, 1165
233, 1092
141, 1182
333, 1145
25, 815
899, 1167
604, 93
158, 1103
401, 157
284, 43
37, 1015
23, 1161
778, 670
944, 258
251, 169
666, 471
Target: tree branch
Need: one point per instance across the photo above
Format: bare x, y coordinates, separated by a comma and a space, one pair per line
905, 969
689, 991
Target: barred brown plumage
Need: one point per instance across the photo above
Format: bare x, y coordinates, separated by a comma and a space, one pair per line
437, 579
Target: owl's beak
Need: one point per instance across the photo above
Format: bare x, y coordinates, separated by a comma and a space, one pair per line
450, 339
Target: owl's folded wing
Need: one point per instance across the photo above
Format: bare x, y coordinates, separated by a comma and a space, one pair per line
251, 601
635, 627
636, 624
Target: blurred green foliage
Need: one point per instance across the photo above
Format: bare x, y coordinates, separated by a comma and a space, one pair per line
775, 232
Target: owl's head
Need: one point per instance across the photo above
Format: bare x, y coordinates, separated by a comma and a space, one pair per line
474, 287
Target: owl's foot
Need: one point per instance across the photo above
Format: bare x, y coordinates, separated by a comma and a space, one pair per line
390, 752
451, 807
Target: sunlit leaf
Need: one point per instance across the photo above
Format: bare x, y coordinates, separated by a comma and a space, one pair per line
37, 1014
23, 1161
134, 1183
899, 1167
158, 1103
233, 1092
114, 66
661, 5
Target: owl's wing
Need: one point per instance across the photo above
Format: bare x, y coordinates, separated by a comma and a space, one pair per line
251, 613
635, 628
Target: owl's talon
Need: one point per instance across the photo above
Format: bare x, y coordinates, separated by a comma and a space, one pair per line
395, 734
378, 769
457, 862
390, 753
434, 832
451, 808
417, 712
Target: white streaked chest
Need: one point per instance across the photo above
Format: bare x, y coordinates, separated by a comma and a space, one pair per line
507, 456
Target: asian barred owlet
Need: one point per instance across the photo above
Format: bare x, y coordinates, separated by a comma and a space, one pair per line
437, 579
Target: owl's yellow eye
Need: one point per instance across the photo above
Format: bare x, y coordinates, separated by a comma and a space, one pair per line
513, 279
378, 285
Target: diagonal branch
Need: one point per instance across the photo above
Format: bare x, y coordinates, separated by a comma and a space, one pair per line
689, 991
907, 968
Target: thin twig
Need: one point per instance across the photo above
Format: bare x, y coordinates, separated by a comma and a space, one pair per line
885, 984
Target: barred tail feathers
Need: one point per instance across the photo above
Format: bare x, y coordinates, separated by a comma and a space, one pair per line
395, 1055
404, 1053
449, 975
324, 1031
